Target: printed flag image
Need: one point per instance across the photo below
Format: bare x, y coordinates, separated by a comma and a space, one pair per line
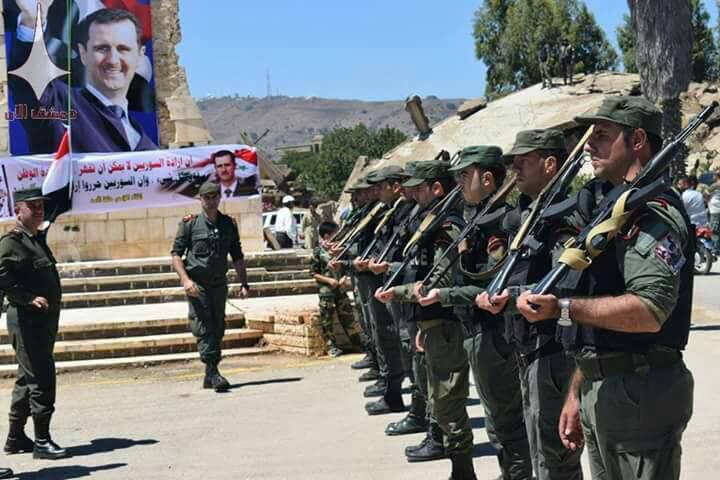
84, 62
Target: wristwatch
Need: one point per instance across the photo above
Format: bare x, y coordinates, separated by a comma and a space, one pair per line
564, 319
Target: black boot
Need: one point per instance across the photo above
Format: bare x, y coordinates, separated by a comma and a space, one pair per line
365, 362
6, 473
213, 379
431, 448
44, 446
377, 389
462, 467
410, 424
390, 402
369, 376
17, 441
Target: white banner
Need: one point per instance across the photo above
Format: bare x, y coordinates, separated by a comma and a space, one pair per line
121, 181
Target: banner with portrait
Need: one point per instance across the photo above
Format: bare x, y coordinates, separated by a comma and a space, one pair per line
83, 63
122, 181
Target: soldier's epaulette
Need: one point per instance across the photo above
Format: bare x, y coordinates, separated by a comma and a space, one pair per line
189, 217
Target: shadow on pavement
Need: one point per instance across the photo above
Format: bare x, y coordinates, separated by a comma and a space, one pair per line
103, 445
68, 472
472, 401
484, 449
477, 422
704, 328
265, 382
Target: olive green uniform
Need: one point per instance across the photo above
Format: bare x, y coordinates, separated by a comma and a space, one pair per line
27, 270
207, 245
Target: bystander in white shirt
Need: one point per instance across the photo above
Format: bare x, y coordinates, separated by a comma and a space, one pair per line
695, 206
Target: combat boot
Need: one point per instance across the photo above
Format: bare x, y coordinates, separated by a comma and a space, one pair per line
390, 402
462, 467
213, 379
17, 441
369, 376
431, 448
363, 363
410, 424
6, 473
45, 448
377, 389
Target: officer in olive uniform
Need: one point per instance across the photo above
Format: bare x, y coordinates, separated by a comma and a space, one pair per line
631, 395
31, 283
481, 172
205, 240
441, 335
545, 369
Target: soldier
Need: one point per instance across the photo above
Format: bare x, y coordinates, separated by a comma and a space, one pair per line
481, 172
309, 226
331, 290
536, 157
31, 283
567, 61
544, 61
440, 334
207, 238
631, 395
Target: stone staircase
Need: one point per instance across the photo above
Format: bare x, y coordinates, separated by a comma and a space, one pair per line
107, 321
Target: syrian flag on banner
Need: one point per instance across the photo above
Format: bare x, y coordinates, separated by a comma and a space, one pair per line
57, 183
249, 154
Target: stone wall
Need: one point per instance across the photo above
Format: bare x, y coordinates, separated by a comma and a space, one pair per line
144, 232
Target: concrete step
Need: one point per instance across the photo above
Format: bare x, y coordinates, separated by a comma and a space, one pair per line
137, 346
280, 260
134, 326
9, 370
161, 280
172, 294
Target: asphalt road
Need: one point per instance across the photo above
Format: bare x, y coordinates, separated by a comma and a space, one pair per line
288, 417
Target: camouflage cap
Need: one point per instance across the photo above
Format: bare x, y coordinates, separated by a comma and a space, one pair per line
427, 170
488, 156
28, 194
209, 188
528, 141
391, 172
634, 112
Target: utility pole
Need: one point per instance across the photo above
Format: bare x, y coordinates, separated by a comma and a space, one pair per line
269, 85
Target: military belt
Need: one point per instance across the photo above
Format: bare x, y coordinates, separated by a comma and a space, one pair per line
549, 348
594, 369
428, 324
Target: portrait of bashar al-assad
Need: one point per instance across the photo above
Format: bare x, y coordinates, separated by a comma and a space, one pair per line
112, 107
225, 163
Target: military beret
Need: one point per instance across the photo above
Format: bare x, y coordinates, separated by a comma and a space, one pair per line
208, 188
634, 112
427, 170
528, 141
28, 194
488, 156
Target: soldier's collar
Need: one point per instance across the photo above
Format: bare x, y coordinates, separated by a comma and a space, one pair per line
23, 228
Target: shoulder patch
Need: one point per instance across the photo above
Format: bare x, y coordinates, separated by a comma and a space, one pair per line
669, 251
189, 217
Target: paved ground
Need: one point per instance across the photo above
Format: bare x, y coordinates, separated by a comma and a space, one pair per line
287, 418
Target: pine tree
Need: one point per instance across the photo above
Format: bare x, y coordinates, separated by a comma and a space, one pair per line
626, 42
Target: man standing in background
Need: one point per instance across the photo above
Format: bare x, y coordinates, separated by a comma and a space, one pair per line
286, 228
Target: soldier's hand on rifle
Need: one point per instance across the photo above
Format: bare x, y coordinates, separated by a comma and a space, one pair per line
191, 289
571, 434
494, 305
345, 282
536, 308
385, 296
40, 303
378, 268
360, 264
334, 265
433, 296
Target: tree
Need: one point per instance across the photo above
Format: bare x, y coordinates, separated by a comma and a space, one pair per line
328, 170
663, 45
626, 42
508, 35
704, 49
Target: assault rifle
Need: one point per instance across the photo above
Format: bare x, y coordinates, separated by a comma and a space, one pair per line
355, 234
525, 241
617, 206
383, 221
488, 214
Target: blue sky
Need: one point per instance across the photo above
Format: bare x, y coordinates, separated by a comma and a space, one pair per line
369, 50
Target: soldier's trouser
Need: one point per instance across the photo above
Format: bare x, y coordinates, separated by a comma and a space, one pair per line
419, 406
545, 73
544, 383
207, 321
633, 422
338, 304
361, 290
496, 376
385, 336
398, 313
33, 340
448, 382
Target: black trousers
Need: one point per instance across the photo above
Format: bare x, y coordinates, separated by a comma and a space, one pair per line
284, 240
